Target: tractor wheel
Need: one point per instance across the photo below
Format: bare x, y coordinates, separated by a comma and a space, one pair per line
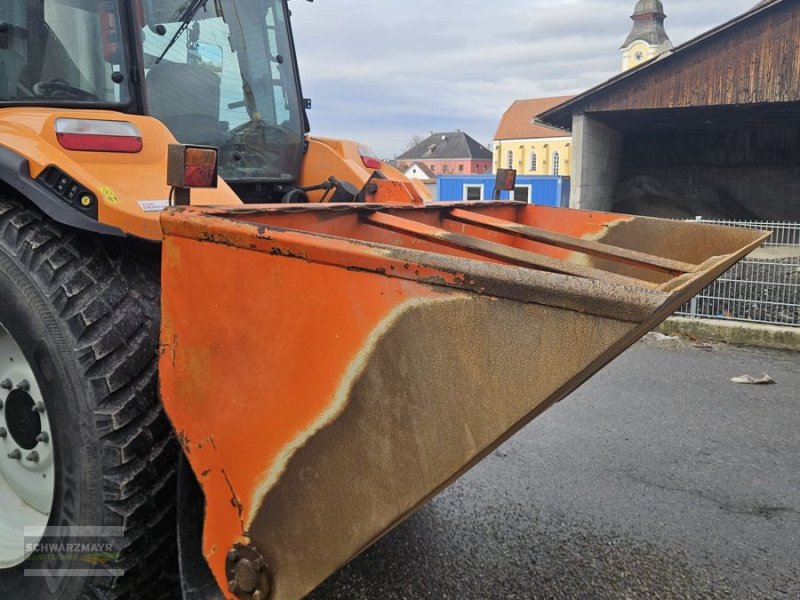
85, 447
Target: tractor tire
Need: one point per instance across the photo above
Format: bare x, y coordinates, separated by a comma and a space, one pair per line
83, 312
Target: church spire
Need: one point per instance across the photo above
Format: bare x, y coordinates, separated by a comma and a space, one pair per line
647, 38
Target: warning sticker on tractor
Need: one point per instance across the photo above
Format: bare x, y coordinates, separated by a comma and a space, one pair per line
153, 205
109, 195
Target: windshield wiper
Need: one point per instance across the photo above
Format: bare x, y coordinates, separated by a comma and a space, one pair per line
186, 20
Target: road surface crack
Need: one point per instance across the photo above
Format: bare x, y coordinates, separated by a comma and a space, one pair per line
726, 505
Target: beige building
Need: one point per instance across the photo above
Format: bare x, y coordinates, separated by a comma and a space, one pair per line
529, 147
533, 148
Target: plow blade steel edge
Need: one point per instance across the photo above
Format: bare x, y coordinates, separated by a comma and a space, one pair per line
329, 369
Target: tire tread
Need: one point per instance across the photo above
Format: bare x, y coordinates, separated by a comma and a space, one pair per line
108, 303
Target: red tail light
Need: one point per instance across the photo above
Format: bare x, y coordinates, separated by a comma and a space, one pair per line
92, 135
368, 157
201, 167
191, 166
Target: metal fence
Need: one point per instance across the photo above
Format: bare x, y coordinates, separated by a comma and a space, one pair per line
762, 288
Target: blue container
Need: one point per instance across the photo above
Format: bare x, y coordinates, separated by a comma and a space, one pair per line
545, 190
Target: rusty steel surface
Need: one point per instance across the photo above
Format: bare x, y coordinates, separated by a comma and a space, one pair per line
327, 374
393, 192
508, 254
592, 248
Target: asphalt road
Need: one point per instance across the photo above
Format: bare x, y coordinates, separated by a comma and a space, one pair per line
659, 478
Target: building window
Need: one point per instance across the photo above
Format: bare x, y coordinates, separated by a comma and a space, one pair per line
556, 163
433, 168
510, 159
533, 162
460, 168
521, 193
473, 192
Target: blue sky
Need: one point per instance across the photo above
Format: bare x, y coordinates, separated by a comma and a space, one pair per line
381, 71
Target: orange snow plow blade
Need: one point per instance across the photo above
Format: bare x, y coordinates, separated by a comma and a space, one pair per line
329, 368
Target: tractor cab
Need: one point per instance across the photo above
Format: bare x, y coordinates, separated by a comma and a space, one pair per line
223, 74
215, 72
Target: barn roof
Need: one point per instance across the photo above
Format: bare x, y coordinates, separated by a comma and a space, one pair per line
745, 63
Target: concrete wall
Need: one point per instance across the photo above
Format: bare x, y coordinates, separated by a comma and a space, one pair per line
597, 156
734, 332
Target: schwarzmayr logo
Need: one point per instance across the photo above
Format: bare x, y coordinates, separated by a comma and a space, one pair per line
68, 548
73, 551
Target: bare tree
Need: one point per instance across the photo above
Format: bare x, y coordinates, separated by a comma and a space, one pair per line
415, 140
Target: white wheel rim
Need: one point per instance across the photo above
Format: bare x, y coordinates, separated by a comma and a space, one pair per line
27, 483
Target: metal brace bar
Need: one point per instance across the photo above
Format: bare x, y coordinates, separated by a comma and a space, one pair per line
614, 253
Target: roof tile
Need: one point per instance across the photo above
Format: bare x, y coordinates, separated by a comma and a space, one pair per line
517, 122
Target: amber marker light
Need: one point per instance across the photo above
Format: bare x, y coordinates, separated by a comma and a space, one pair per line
201, 167
190, 167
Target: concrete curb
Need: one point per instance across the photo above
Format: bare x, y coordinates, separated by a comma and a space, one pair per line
735, 332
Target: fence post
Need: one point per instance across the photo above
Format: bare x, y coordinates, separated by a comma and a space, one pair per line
693, 307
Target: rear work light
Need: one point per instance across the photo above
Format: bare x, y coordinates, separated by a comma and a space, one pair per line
368, 157
94, 135
190, 167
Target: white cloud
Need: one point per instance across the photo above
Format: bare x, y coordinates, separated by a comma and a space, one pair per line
380, 71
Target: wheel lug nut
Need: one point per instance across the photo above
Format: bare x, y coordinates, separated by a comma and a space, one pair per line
43, 437
33, 457
3, 433
6, 384
15, 454
38, 407
24, 385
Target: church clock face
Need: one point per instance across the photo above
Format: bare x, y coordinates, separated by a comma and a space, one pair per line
639, 53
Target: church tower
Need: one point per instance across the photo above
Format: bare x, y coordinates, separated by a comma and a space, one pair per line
647, 38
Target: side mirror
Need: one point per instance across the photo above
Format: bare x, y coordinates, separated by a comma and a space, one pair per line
109, 33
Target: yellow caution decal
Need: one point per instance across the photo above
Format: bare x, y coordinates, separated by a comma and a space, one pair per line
109, 195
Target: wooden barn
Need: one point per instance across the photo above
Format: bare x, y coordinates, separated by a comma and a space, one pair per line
711, 128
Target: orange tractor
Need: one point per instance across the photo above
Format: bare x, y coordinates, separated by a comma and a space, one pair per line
296, 355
